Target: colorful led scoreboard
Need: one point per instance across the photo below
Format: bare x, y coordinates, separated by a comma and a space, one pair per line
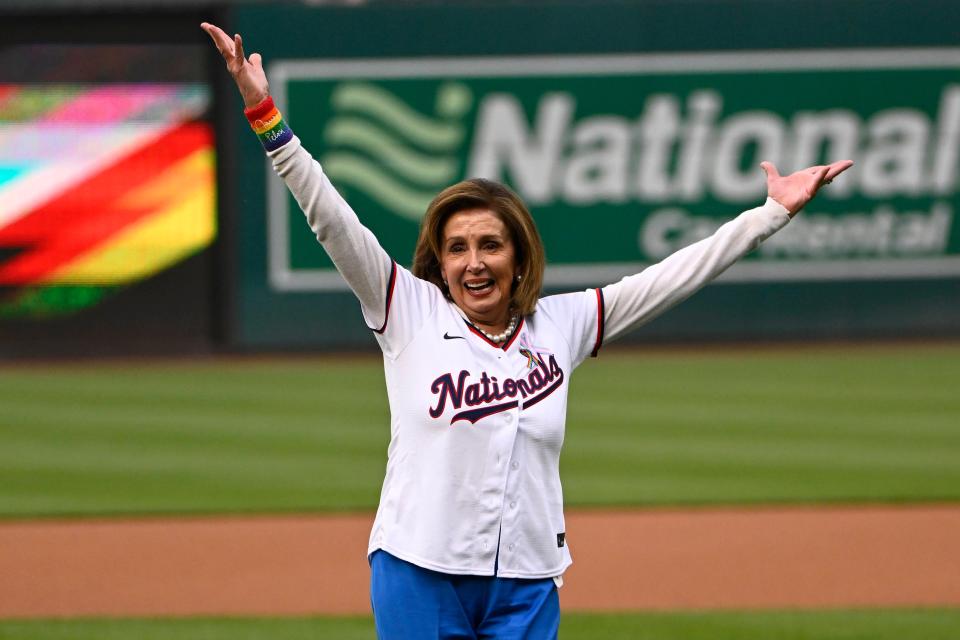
101, 185
107, 197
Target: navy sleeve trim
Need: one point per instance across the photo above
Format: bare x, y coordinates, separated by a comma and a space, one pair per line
390, 285
600, 315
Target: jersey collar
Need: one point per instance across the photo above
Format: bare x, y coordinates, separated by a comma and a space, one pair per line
505, 345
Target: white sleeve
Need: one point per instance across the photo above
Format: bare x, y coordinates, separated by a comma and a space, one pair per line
639, 298
578, 316
353, 248
409, 304
368, 270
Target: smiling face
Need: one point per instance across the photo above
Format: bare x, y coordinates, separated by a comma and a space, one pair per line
478, 263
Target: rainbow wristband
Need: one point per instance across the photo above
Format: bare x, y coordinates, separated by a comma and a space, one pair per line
268, 124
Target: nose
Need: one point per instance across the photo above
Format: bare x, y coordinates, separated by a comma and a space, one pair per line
475, 262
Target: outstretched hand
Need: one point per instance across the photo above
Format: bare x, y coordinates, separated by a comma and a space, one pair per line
247, 73
797, 189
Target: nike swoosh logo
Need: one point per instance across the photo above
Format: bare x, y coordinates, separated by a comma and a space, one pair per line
447, 336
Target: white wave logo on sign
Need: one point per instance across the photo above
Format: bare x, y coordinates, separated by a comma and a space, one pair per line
399, 157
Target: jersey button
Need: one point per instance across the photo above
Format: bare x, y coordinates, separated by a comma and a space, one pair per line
513, 505
512, 546
515, 465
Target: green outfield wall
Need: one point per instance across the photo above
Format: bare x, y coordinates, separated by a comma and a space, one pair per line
631, 131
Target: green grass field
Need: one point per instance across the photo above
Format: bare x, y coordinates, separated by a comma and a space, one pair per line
824, 424
933, 624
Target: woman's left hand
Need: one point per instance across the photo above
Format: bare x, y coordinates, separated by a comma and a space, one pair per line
797, 189
247, 72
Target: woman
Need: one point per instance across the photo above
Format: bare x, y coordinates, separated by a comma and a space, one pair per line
469, 538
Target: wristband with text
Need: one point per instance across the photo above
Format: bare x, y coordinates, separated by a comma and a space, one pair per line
268, 124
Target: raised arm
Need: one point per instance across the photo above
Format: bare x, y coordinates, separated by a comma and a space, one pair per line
354, 249
640, 298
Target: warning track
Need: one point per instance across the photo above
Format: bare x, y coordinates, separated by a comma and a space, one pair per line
746, 558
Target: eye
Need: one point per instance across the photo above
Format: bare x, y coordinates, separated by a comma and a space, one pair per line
491, 245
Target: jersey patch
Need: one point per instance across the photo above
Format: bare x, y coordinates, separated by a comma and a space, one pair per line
561, 539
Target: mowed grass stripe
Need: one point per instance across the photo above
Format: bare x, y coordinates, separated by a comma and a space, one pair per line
793, 426
189, 437
645, 428
929, 624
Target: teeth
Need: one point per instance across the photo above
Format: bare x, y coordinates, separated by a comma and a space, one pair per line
477, 285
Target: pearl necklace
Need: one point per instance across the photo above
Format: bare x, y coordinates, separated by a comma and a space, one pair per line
500, 337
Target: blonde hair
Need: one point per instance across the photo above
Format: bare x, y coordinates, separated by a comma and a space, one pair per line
479, 193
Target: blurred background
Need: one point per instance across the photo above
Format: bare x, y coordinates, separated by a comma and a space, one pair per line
137, 214
142, 232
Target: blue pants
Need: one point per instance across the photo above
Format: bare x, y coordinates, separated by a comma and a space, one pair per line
413, 603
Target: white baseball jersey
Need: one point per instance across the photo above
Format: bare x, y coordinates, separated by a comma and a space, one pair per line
476, 428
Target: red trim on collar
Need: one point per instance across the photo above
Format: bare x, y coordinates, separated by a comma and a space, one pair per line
506, 345
516, 332
480, 334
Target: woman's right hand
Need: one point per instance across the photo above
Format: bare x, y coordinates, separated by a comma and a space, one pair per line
247, 73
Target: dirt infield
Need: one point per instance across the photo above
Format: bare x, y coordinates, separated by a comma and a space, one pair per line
624, 560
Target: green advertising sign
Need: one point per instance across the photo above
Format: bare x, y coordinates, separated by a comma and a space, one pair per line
623, 159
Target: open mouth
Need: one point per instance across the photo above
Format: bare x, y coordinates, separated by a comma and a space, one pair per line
479, 286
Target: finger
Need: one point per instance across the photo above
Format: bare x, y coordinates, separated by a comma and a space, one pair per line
238, 48
209, 29
835, 169
220, 39
769, 169
223, 43
256, 61
820, 175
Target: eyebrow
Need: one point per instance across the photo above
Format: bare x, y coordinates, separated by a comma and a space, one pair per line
489, 236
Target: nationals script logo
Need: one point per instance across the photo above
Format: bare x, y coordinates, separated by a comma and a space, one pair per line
543, 380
